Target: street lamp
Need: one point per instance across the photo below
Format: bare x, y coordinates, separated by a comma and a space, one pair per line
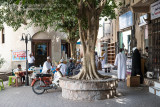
26, 39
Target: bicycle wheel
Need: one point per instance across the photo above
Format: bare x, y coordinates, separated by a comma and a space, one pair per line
38, 87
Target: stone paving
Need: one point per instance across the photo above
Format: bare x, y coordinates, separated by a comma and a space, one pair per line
127, 97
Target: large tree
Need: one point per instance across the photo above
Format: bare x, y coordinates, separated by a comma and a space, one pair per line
88, 13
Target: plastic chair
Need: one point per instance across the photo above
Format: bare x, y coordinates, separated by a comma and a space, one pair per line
10, 81
1, 87
13, 79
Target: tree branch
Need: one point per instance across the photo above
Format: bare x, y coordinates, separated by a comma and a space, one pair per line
89, 6
101, 6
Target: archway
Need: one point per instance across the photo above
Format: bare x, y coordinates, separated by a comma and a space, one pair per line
41, 47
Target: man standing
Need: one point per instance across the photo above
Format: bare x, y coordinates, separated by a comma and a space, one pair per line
103, 57
62, 67
96, 59
47, 66
31, 60
146, 53
120, 62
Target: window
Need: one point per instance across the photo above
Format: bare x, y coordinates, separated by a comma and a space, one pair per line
107, 28
3, 36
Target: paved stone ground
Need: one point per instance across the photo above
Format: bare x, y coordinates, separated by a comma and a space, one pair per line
127, 97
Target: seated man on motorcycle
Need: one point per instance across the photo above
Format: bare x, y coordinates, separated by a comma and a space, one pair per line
47, 66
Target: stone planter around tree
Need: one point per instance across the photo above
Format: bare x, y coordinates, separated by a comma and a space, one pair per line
88, 89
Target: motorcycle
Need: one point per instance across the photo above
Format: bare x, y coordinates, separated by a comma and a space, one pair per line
43, 82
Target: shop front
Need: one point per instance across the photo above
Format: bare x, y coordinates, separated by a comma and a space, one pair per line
154, 39
125, 25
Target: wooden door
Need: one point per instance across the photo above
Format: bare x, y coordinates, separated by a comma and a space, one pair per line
41, 49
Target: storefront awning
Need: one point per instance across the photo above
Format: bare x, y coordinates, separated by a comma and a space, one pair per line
78, 43
142, 6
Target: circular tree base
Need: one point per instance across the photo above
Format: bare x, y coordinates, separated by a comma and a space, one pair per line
88, 89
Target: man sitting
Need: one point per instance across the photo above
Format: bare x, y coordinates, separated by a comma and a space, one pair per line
77, 68
47, 66
62, 67
19, 73
70, 67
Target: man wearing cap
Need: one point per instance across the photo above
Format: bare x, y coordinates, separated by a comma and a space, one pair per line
47, 66
62, 67
31, 60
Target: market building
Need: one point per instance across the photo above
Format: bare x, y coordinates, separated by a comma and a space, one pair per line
134, 22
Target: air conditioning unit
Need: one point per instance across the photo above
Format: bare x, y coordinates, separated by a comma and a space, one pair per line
150, 74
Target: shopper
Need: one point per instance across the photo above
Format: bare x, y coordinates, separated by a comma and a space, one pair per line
103, 57
120, 62
136, 64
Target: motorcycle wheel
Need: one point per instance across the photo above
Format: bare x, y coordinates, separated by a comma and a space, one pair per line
37, 84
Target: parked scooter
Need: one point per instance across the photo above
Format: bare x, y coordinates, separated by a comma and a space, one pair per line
43, 82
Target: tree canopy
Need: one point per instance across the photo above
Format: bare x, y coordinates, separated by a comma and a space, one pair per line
45, 13
66, 15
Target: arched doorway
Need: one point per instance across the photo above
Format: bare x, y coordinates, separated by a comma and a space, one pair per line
41, 47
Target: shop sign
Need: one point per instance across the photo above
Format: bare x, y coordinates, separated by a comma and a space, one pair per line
155, 10
18, 55
142, 20
125, 20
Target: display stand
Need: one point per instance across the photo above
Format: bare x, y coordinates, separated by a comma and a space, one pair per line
111, 53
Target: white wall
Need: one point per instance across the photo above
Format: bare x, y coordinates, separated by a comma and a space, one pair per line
100, 35
12, 43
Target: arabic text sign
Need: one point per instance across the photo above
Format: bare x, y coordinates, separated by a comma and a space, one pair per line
125, 20
18, 55
155, 10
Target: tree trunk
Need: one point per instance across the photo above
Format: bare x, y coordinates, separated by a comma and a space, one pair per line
88, 40
73, 49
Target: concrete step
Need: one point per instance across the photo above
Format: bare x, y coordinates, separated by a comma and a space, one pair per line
154, 90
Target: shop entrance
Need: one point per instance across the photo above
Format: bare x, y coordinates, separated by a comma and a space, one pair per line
41, 49
125, 39
65, 49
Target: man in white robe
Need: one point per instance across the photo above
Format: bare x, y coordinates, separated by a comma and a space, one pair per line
103, 57
96, 59
62, 67
47, 66
120, 62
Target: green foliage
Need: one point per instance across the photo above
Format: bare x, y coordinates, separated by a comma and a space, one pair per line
62, 14
49, 12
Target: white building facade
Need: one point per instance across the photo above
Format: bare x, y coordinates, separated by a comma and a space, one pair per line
43, 44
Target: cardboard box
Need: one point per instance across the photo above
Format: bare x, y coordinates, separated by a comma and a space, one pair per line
158, 92
133, 81
152, 90
156, 84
